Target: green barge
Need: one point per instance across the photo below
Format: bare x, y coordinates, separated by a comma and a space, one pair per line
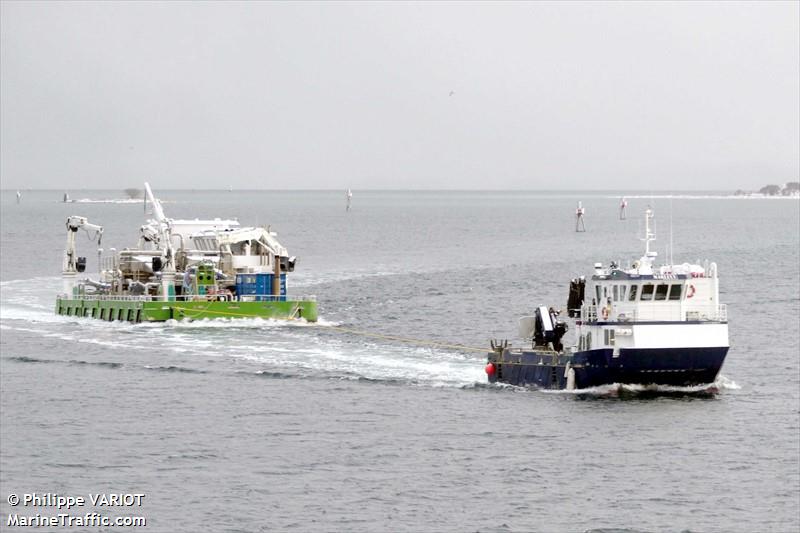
140, 309
192, 269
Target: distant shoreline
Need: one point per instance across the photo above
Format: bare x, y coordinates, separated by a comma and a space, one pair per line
611, 193
755, 196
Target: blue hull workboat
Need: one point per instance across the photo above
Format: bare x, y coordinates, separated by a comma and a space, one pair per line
640, 325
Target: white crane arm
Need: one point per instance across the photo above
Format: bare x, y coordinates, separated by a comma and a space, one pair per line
74, 223
164, 229
158, 212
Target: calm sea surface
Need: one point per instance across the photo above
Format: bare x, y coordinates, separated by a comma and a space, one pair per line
266, 426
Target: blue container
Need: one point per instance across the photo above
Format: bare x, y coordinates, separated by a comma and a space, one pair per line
259, 286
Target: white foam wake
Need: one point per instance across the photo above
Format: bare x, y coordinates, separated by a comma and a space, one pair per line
107, 201
614, 389
264, 345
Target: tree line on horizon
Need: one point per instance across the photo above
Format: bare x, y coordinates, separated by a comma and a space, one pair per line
790, 189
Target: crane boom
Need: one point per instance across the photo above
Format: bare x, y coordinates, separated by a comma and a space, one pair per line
165, 243
158, 212
74, 223
70, 264
164, 233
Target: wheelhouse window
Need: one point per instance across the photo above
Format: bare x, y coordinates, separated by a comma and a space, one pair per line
675, 291
647, 292
616, 293
661, 291
622, 290
632, 294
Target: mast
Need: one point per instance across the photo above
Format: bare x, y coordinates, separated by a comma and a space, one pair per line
671, 249
648, 235
645, 264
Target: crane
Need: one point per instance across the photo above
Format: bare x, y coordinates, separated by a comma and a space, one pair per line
165, 244
72, 263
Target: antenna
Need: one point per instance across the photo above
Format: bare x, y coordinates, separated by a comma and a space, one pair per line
649, 235
671, 248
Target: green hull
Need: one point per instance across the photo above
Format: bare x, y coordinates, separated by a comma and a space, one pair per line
131, 310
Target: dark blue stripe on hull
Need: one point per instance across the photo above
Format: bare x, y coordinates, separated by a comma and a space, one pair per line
660, 366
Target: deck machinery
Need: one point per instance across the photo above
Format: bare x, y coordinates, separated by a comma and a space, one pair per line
183, 269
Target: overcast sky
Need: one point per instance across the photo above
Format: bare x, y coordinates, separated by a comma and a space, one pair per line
566, 95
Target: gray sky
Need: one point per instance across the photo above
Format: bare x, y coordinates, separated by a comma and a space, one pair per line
568, 95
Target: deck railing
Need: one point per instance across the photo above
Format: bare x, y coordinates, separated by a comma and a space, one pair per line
190, 298
656, 312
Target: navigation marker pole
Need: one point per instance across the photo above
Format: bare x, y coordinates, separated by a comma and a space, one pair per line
579, 225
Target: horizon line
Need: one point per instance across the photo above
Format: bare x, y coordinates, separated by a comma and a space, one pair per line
234, 189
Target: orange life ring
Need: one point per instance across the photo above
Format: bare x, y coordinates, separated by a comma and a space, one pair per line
605, 313
690, 291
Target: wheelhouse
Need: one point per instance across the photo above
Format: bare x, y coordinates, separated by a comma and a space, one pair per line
640, 291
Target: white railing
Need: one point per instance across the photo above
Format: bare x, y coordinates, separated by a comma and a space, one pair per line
109, 297
266, 298
655, 312
190, 298
108, 263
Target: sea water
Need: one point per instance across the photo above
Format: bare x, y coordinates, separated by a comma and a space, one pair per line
262, 425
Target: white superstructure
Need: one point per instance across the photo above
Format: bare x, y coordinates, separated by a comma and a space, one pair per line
649, 306
172, 248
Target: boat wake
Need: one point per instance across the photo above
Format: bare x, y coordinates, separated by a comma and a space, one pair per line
626, 390
106, 201
253, 347
268, 347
